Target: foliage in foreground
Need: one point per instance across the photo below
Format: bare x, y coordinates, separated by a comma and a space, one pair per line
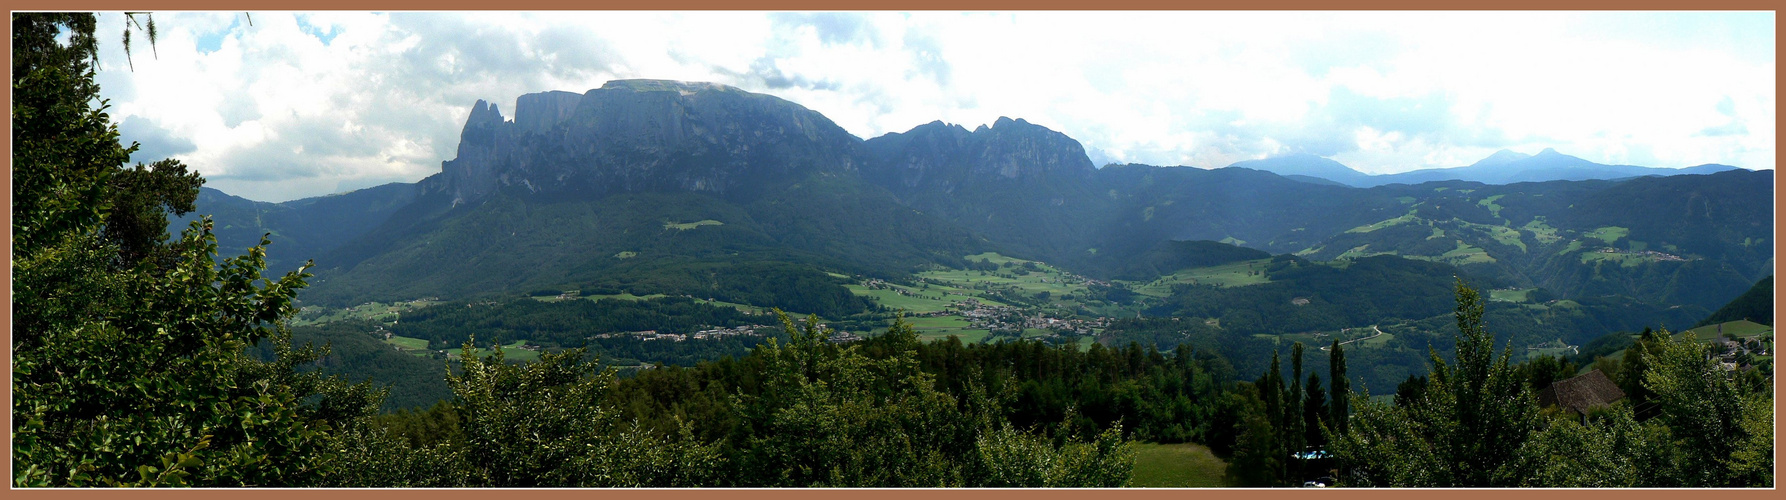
128, 351
134, 361
824, 416
1477, 424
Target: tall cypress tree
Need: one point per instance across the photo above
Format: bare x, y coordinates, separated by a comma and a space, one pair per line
1271, 390
1292, 418
1314, 409
1340, 389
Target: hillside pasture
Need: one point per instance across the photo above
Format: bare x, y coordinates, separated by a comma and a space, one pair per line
1404, 219
370, 311
1489, 203
1029, 283
510, 352
1515, 295
913, 300
1739, 328
745, 308
1623, 259
1541, 231
1369, 337
1466, 254
1608, 234
407, 343
1233, 274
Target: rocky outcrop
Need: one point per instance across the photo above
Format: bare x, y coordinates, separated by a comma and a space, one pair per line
940, 156
660, 135
644, 135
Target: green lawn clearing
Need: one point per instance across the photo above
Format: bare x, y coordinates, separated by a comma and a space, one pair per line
1186, 465
1739, 328
1233, 274
407, 343
510, 352
1608, 234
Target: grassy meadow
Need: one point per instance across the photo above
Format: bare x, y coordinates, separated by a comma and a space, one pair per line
1186, 465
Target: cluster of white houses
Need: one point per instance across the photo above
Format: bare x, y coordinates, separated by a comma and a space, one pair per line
711, 333
1006, 319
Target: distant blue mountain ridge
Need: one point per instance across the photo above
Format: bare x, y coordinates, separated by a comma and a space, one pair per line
1502, 167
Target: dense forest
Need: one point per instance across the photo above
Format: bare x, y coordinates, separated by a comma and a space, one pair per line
141, 360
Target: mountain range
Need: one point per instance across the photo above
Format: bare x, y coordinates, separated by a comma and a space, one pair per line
1502, 167
702, 189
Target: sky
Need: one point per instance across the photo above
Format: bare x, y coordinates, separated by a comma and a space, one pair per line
292, 105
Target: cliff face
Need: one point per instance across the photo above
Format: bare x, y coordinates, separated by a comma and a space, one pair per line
942, 157
644, 135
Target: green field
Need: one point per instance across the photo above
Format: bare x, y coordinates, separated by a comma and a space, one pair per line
1404, 219
1549, 351
1505, 236
918, 300
684, 226
1318, 339
951, 285
371, 311
1573, 246
1375, 342
1621, 258
1739, 328
407, 343
1028, 283
621, 296
1466, 254
1186, 465
1361, 251
941, 327
510, 352
747, 308
1489, 203
1608, 234
1233, 274
1542, 232
1515, 295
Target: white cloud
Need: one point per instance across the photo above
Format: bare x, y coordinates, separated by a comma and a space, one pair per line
307, 104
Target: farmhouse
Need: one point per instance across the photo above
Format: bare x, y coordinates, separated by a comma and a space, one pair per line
1581, 393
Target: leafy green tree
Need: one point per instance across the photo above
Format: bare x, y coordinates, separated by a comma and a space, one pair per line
1258, 458
1605, 451
1541, 371
65, 151
1012, 459
1410, 391
1463, 430
1721, 432
829, 415
545, 423
129, 363
1633, 369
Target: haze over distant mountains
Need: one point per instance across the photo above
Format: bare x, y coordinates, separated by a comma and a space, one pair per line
1502, 167
673, 187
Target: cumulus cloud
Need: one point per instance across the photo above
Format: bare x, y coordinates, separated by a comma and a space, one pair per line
304, 104
153, 142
